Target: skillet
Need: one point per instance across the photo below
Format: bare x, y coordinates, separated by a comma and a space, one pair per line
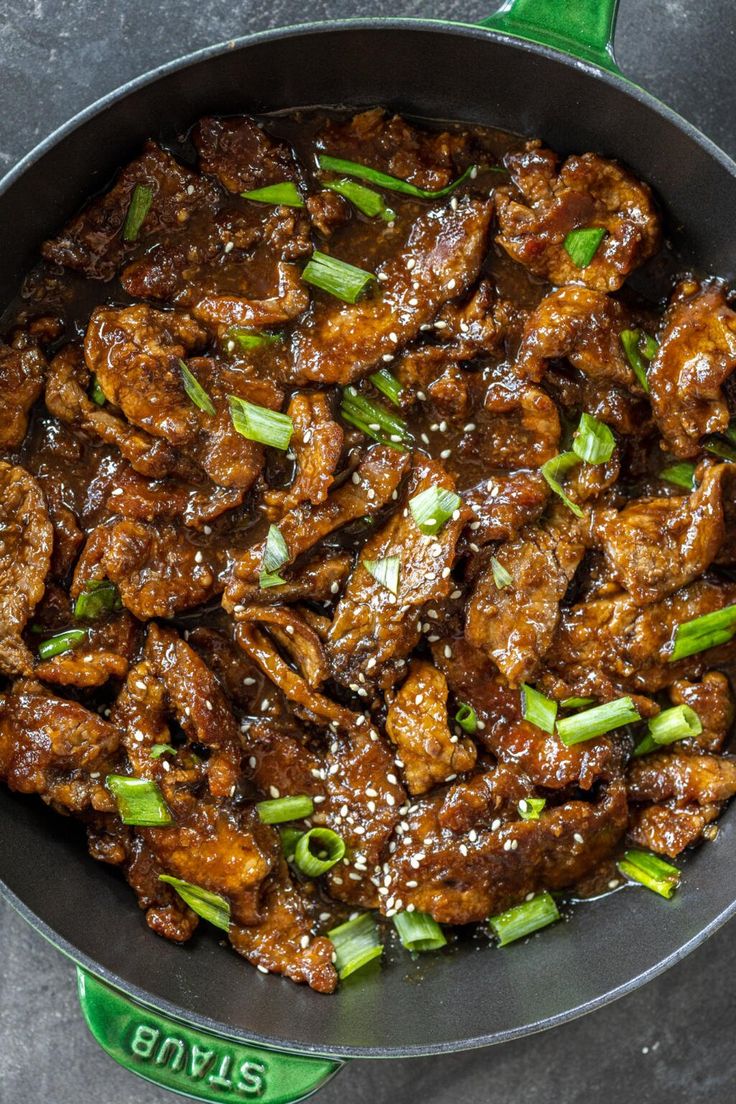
192, 1018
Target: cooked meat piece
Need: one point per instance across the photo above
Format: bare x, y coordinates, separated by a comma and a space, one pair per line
514, 626
372, 485
519, 426
583, 326
294, 636
686, 777
328, 211
656, 545
483, 798
483, 325
320, 580
241, 154
106, 653
68, 538
284, 942
340, 342
282, 763
240, 679
56, 748
92, 243
668, 829
26, 543
373, 629
430, 371
543, 204
504, 504
290, 298
317, 443
427, 159
697, 355
712, 700
22, 374
195, 505
463, 877
158, 570
417, 724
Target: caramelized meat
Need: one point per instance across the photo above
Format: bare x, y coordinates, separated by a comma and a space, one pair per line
22, 373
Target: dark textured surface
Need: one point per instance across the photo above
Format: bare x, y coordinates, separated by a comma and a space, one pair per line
672, 1040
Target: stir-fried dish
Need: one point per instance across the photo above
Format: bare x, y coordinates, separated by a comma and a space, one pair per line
367, 541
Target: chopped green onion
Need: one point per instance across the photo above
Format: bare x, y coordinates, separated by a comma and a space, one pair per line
682, 475
593, 442
433, 508
139, 801
318, 850
538, 709
531, 807
597, 721
391, 183
270, 579
161, 749
285, 194
210, 906
639, 348
670, 725
366, 200
343, 280
289, 839
251, 339
62, 642
557, 466
650, 871
385, 571
501, 576
140, 205
718, 447
276, 553
99, 596
704, 632
96, 393
419, 932
194, 389
387, 384
581, 245
374, 420
281, 809
356, 943
258, 423
467, 718
576, 703
524, 919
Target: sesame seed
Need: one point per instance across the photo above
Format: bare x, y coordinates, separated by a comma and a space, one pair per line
387, 357
274, 791
614, 883
390, 799
507, 845
514, 844
496, 824
410, 263
198, 557
229, 246
463, 849
445, 454
207, 530
262, 969
578, 838
451, 284
448, 651
116, 492
190, 189
393, 336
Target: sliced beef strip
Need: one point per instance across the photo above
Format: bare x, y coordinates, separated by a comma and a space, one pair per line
22, 373
26, 545
106, 653
294, 636
417, 724
241, 154
92, 244
327, 212
544, 203
317, 442
281, 761
514, 626
288, 300
712, 700
669, 828
519, 426
696, 356
319, 580
503, 504
340, 342
654, 546
197, 505
459, 878
373, 630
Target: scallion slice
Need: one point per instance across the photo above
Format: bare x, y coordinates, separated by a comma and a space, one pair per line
677, 723
433, 508
366, 200
284, 194
531, 807
719, 447
597, 721
140, 205
538, 709
524, 919
576, 703
194, 389
99, 596
356, 944
162, 749
210, 906
467, 718
275, 555
650, 871
289, 839
258, 423
501, 576
681, 475
343, 280
61, 642
639, 348
96, 393
581, 245
387, 384
374, 420
704, 632
139, 801
385, 572
419, 932
553, 469
281, 809
318, 850
251, 339
593, 442
391, 183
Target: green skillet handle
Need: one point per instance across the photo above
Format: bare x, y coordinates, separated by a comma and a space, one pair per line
582, 28
192, 1062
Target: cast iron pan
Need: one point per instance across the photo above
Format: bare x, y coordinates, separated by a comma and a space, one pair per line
473, 995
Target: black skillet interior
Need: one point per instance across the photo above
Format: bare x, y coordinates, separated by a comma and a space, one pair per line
473, 994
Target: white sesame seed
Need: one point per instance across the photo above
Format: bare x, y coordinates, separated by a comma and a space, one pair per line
507, 845
614, 883
451, 284
229, 246
274, 791
410, 263
463, 849
116, 492
514, 844
393, 336
445, 454
262, 969
496, 824
190, 189
198, 557
578, 838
